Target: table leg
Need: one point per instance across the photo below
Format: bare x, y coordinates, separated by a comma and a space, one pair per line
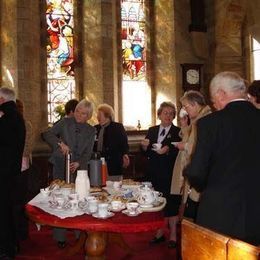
95, 245
73, 250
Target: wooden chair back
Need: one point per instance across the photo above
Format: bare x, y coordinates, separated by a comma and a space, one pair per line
201, 243
204, 244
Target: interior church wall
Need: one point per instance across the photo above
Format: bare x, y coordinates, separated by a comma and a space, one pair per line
98, 64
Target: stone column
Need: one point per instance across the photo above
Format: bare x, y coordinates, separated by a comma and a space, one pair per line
164, 59
9, 65
92, 50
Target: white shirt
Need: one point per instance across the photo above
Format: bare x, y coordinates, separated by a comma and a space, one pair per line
160, 137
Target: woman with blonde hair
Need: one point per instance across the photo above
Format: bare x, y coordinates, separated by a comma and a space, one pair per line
193, 102
111, 142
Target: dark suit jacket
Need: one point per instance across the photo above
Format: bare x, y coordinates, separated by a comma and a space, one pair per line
115, 145
160, 166
12, 137
225, 166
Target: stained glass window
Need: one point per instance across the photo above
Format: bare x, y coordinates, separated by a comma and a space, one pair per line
256, 58
60, 59
134, 82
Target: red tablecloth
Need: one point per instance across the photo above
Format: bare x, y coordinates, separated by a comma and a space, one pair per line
119, 223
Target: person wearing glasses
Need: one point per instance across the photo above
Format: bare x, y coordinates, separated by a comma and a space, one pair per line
161, 155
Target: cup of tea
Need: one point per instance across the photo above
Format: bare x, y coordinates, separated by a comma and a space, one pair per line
116, 204
74, 204
60, 202
132, 207
92, 205
157, 146
103, 209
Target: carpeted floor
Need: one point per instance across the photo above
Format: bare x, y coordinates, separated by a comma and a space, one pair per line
41, 246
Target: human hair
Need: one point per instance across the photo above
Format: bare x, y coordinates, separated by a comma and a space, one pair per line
193, 96
166, 104
70, 106
86, 104
107, 110
229, 81
7, 93
254, 90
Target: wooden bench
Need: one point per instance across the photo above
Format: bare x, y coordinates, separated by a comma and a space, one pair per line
199, 243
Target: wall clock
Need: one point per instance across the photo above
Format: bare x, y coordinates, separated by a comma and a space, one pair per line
191, 76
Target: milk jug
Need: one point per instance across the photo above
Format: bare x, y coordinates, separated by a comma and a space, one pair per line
82, 184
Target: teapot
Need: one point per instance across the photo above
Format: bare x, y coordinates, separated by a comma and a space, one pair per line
145, 196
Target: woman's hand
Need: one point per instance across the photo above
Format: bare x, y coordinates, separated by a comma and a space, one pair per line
74, 166
126, 161
145, 143
64, 148
163, 150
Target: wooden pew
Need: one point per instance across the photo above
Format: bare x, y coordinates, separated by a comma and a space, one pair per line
198, 243
239, 250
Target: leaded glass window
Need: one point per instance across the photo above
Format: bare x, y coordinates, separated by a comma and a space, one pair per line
134, 79
256, 58
60, 59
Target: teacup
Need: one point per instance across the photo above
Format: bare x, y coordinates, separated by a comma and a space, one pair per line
157, 146
116, 204
45, 192
147, 184
157, 195
74, 204
132, 207
60, 202
92, 205
103, 209
73, 196
66, 191
117, 185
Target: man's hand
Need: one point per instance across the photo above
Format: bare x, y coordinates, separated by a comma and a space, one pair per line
64, 148
74, 166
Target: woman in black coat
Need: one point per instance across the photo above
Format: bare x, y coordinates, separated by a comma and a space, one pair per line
161, 159
111, 142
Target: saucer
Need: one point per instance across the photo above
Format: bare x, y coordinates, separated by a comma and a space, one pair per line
117, 209
146, 205
126, 212
109, 215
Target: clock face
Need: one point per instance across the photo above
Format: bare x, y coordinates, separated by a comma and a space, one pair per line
193, 76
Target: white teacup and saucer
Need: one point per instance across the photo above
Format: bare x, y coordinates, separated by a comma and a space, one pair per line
117, 205
156, 146
103, 211
132, 209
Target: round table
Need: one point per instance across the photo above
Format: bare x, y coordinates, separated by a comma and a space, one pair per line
99, 230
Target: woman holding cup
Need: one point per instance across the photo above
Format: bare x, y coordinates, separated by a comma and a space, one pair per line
161, 155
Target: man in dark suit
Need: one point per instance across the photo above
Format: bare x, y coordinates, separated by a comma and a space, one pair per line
12, 137
225, 164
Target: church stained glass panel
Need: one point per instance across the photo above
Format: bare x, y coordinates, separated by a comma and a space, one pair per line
134, 82
60, 59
